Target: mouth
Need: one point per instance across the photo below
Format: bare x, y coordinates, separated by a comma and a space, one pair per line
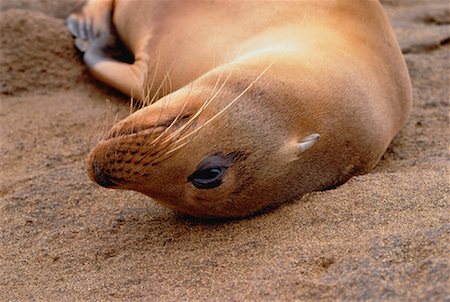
127, 151
126, 128
102, 178
124, 132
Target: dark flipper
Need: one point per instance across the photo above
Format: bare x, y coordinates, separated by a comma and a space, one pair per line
103, 53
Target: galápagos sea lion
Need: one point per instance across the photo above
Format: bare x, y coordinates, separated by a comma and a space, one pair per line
267, 100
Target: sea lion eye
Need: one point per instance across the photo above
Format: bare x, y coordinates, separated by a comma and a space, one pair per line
211, 169
207, 178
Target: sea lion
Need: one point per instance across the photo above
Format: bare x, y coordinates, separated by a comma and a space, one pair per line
267, 101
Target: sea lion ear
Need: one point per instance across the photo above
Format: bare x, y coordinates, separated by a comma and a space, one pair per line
307, 142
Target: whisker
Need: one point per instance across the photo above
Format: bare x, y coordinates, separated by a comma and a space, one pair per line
155, 141
156, 95
172, 140
131, 105
145, 101
167, 143
173, 122
105, 122
230, 104
201, 109
168, 154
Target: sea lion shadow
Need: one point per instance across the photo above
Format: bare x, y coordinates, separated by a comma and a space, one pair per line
146, 230
399, 149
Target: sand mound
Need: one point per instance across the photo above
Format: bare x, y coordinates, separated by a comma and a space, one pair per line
37, 53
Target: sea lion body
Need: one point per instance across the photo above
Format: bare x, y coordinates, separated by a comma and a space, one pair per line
300, 97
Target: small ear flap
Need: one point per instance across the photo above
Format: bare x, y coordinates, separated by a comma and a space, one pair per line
307, 142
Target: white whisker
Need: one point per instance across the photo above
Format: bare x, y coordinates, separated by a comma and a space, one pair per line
229, 105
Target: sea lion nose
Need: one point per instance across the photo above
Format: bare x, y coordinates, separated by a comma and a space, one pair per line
103, 178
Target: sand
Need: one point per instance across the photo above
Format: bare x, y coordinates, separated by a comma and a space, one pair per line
380, 236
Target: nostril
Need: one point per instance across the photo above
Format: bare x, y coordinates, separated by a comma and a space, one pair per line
102, 178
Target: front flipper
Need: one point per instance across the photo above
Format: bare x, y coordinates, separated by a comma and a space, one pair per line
95, 37
91, 23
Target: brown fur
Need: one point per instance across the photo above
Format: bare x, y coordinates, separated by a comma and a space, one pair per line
250, 80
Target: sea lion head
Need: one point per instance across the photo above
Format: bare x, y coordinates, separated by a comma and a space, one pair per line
210, 152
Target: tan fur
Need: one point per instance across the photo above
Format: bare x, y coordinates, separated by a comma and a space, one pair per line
252, 80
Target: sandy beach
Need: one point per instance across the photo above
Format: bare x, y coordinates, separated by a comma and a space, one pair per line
383, 236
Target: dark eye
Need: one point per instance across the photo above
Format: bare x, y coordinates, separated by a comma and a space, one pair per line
207, 178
